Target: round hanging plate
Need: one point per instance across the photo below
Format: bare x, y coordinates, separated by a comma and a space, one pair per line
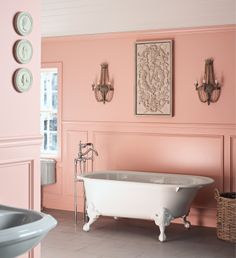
23, 51
22, 79
23, 23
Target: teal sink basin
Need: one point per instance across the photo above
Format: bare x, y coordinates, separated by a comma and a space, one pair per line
21, 230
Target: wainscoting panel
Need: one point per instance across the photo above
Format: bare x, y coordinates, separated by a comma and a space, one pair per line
72, 147
60, 195
17, 187
20, 175
181, 154
197, 149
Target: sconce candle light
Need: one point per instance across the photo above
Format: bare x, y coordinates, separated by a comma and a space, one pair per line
210, 89
103, 90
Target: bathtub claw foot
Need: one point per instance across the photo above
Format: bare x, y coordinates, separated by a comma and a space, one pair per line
86, 227
162, 236
187, 223
93, 216
163, 219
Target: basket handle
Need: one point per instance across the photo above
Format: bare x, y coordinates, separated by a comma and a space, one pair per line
217, 194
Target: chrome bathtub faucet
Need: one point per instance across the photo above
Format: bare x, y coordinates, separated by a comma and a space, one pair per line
82, 159
82, 156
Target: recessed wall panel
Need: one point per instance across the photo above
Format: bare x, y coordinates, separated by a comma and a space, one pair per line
233, 164
15, 184
170, 153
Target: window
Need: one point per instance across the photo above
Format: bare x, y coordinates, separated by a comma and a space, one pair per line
49, 110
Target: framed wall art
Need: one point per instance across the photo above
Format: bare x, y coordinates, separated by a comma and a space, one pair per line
153, 78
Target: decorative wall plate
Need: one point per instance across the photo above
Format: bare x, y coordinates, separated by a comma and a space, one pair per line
23, 51
23, 23
22, 79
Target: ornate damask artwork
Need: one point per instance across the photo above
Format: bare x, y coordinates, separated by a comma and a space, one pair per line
154, 78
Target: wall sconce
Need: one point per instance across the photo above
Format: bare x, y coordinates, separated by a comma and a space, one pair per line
210, 89
103, 90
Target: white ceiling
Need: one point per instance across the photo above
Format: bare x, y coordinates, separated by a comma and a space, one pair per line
76, 17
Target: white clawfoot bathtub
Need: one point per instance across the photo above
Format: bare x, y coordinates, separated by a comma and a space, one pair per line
160, 197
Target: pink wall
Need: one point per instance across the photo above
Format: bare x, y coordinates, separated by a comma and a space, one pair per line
19, 112
199, 139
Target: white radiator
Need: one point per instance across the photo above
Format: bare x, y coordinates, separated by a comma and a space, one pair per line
48, 171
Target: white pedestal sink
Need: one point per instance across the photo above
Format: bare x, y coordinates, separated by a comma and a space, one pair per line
21, 230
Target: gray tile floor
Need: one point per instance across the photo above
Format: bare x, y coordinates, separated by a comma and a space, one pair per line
126, 238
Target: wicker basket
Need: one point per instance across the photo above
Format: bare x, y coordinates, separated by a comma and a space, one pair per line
226, 216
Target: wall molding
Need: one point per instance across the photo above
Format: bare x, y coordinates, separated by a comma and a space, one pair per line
148, 123
18, 141
178, 135
232, 175
30, 163
145, 33
159, 134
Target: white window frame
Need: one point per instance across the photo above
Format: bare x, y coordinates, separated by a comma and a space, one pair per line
53, 67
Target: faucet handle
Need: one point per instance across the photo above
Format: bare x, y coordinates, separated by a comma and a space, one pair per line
84, 145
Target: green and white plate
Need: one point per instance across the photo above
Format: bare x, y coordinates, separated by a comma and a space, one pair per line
23, 23
22, 79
